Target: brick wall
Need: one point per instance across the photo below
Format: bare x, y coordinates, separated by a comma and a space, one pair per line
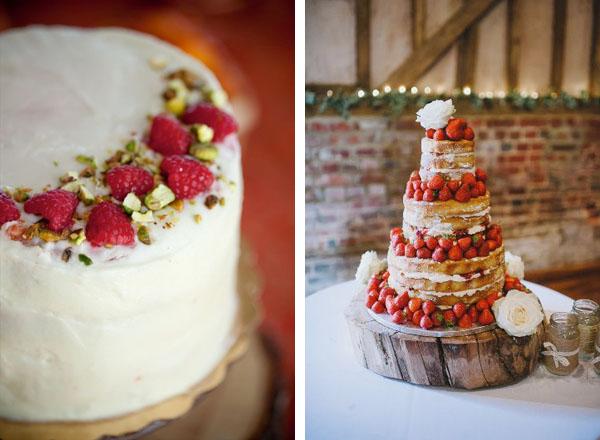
544, 177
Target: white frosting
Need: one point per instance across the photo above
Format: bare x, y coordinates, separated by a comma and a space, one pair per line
142, 323
439, 229
437, 277
518, 313
418, 218
514, 265
370, 264
467, 292
435, 114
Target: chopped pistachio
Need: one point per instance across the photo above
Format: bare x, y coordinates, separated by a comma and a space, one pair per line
211, 201
131, 146
222, 201
147, 217
178, 86
49, 236
77, 237
217, 97
143, 235
189, 78
175, 105
205, 153
21, 194
203, 133
160, 197
131, 203
55, 163
85, 195
85, 259
66, 255
126, 158
87, 172
87, 160
72, 186
177, 205
197, 218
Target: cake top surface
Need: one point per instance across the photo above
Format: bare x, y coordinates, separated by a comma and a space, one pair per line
71, 94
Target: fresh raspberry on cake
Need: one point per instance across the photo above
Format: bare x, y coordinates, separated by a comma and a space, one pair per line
203, 113
168, 136
186, 176
108, 225
56, 206
8, 209
126, 179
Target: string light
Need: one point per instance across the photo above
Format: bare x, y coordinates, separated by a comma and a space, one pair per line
360, 93
387, 88
414, 90
427, 90
534, 95
489, 95
481, 95
330, 93
467, 90
375, 92
402, 89
501, 94
523, 94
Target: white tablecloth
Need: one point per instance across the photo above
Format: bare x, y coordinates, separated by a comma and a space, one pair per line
346, 401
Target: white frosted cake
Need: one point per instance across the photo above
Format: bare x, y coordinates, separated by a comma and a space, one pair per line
119, 211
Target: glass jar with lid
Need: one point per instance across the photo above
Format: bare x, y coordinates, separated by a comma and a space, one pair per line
588, 315
596, 360
561, 345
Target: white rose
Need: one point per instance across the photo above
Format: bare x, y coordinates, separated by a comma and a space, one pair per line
370, 264
518, 313
435, 114
514, 265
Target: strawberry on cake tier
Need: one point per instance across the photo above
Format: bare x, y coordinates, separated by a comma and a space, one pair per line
447, 250
120, 203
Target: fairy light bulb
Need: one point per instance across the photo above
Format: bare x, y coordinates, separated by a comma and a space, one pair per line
375, 92
387, 88
402, 89
414, 90
360, 93
467, 90
330, 93
427, 90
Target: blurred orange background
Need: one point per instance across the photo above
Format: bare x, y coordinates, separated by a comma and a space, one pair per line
250, 47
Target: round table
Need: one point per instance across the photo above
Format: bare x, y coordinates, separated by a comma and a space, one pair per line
345, 400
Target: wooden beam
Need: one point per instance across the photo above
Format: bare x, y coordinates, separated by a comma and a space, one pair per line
434, 47
558, 43
513, 44
465, 66
418, 13
595, 52
363, 42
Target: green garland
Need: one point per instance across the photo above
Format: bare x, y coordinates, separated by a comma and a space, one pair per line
395, 102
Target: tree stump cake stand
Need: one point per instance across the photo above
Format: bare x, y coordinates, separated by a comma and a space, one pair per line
480, 360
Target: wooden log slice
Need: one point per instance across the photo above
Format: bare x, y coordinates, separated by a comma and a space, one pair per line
490, 358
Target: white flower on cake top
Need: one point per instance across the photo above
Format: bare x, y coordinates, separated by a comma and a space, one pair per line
514, 265
518, 313
370, 264
436, 114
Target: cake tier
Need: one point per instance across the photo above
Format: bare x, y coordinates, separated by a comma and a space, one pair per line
142, 323
450, 159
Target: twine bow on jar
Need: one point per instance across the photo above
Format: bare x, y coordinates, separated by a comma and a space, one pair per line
559, 357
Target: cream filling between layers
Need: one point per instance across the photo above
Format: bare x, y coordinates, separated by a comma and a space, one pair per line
439, 230
395, 284
437, 277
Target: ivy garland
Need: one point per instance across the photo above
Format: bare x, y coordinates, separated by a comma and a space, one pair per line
395, 102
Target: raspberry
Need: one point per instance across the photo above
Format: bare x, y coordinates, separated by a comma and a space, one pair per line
436, 182
203, 113
439, 135
456, 129
168, 136
430, 133
56, 206
186, 176
125, 179
469, 134
108, 224
8, 209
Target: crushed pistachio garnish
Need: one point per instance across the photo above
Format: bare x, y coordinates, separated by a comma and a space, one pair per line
211, 201
31, 232
143, 235
131, 203
72, 186
189, 78
203, 133
87, 172
205, 153
175, 106
217, 97
85, 259
86, 196
49, 236
21, 195
222, 201
131, 146
147, 217
55, 163
177, 205
86, 160
77, 237
66, 255
160, 197
197, 218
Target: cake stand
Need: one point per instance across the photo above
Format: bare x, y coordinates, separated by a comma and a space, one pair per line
143, 422
479, 357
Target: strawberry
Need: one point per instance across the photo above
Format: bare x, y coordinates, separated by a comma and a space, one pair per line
418, 195
56, 206
186, 176
455, 130
382, 284
407, 313
399, 249
455, 253
453, 185
385, 293
445, 243
370, 300
480, 174
419, 243
220, 121
475, 192
373, 283
410, 251
486, 317
410, 192
423, 253
484, 250
428, 307
477, 240
439, 255
428, 195
437, 318
473, 314
436, 182
403, 299
482, 304
385, 276
126, 179
469, 179
378, 307
444, 194
399, 317
463, 194
416, 317
464, 243
423, 186
430, 242
429, 133
469, 134
481, 188
416, 184
465, 322
492, 245
415, 176
449, 318
108, 225
8, 209
395, 232
493, 233
470, 253
425, 323
439, 135
414, 304
459, 309
168, 136
491, 298
390, 305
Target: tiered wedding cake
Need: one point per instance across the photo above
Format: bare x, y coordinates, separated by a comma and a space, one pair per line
119, 213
